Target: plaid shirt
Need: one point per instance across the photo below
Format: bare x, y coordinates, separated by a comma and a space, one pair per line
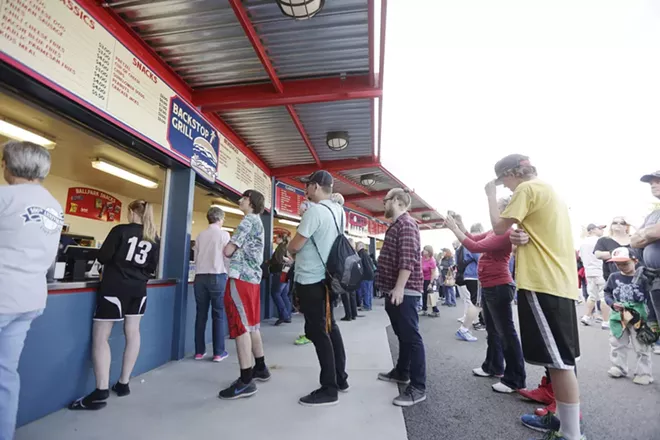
401, 251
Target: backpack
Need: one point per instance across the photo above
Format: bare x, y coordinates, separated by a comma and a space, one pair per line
461, 265
344, 265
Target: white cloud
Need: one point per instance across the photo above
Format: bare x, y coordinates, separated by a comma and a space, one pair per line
573, 84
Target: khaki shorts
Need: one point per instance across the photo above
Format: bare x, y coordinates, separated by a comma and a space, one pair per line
595, 288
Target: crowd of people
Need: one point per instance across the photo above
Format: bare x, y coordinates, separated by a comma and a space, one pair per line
315, 268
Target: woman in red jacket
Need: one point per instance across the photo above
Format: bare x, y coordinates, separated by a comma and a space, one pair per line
497, 292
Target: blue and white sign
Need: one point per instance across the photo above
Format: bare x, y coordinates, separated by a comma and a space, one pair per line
190, 135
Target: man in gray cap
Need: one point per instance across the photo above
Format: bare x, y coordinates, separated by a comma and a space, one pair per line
319, 228
547, 281
648, 238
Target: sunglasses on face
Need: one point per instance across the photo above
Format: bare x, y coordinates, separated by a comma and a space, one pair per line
620, 223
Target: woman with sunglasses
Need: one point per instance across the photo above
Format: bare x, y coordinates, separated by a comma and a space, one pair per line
619, 236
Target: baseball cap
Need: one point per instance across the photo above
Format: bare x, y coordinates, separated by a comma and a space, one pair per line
508, 163
648, 177
321, 177
593, 226
620, 255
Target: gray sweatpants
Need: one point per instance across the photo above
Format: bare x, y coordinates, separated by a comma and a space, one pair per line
619, 348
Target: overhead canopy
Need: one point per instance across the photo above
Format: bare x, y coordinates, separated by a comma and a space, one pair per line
284, 86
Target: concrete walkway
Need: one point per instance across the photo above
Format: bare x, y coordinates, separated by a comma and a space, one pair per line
179, 400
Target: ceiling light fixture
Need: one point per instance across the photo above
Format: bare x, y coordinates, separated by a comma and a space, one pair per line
368, 180
13, 131
225, 228
300, 9
229, 209
337, 140
107, 167
426, 217
287, 222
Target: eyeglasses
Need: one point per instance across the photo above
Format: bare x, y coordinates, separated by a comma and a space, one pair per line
386, 199
621, 223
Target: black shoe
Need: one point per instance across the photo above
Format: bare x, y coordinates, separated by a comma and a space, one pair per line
394, 376
287, 321
320, 397
360, 316
478, 326
261, 375
279, 322
238, 390
344, 387
121, 389
346, 318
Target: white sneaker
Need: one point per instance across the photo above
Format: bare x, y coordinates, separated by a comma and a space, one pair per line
460, 320
616, 372
499, 387
480, 372
605, 326
585, 320
656, 349
643, 380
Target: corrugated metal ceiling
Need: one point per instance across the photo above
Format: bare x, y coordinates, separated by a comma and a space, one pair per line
271, 134
351, 116
335, 41
201, 39
383, 181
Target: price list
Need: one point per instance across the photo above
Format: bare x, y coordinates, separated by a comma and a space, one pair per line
288, 199
163, 105
102, 72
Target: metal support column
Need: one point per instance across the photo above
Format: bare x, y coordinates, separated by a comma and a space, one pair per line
268, 218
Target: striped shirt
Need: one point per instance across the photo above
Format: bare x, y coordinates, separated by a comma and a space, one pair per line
401, 251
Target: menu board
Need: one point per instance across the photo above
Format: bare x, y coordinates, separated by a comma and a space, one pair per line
288, 199
358, 224
377, 228
62, 42
239, 173
93, 204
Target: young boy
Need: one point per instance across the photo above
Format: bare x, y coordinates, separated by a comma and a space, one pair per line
628, 303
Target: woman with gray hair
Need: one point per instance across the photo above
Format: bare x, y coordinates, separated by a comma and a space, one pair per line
30, 224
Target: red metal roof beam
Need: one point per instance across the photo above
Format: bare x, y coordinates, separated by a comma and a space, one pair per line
304, 91
298, 123
360, 197
331, 166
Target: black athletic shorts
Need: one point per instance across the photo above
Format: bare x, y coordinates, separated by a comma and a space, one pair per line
548, 330
114, 308
473, 288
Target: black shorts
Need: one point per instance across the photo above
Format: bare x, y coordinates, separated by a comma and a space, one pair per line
114, 308
548, 330
473, 288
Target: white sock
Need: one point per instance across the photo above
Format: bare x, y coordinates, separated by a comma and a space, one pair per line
463, 329
569, 415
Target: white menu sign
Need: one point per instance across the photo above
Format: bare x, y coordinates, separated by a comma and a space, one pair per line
239, 173
62, 42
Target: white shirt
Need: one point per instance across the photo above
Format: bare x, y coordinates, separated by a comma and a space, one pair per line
593, 267
210, 251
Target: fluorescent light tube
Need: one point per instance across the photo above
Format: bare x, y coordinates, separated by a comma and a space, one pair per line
225, 228
20, 134
288, 222
109, 168
229, 209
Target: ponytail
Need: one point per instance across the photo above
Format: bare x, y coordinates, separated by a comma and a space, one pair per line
145, 211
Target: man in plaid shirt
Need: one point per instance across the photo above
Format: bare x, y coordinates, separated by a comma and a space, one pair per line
400, 278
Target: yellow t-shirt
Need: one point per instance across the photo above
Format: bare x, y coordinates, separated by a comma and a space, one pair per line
547, 263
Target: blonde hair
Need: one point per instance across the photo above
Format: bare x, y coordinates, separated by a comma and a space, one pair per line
625, 221
400, 195
337, 198
144, 210
428, 248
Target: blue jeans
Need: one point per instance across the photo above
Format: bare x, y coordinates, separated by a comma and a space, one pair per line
450, 295
280, 294
210, 291
366, 293
13, 330
412, 357
503, 341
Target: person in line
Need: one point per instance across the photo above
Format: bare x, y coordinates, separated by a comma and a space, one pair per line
647, 239
31, 221
278, 289
400, 278
130, 257
243, 302
430, 272
302, 339
498, 291
546, 279
319, 228
366, 290
210, 284
619, 236
349, 299
593, 270
467, 275
446, 265
626, 297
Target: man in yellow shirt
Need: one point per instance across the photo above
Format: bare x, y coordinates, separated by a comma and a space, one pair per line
546, 276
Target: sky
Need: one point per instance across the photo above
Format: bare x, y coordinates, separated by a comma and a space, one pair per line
574, 85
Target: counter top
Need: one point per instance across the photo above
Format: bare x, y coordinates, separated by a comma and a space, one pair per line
92, 284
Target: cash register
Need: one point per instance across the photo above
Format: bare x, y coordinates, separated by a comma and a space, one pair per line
81, 263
